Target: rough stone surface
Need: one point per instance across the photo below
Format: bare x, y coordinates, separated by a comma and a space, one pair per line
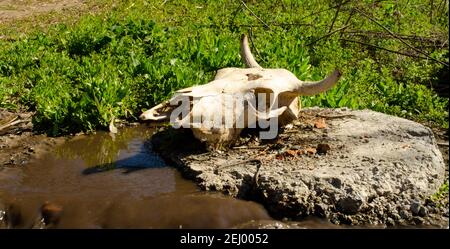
361, 167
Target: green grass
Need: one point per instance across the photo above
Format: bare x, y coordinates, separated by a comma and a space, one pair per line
441, 193
78, 76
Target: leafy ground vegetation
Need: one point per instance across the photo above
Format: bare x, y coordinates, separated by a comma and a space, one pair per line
121, 57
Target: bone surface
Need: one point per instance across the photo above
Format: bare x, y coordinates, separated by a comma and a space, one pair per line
241, 86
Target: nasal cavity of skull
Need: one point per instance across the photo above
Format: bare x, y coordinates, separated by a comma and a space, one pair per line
252, 76
268, 96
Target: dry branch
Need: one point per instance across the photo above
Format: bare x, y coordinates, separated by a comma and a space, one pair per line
335, 16
11, 124
399, 38
253, 13
386, 49
327, 35
378, 34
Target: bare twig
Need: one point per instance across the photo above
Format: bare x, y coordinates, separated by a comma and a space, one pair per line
386, 49
327, 35
335, 16
442, 3
444, 44
280, 24
254, 25
235, 12
253, 13
253, 44
11, 124
400, 39
347, 21
443, 144
256, 176
379, 34
324, 10
9, 121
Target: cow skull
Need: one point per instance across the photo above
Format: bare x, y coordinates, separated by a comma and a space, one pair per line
219, 110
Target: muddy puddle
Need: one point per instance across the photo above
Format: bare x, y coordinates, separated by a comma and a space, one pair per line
114, 181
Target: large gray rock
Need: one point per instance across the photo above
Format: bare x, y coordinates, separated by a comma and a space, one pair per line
363, 167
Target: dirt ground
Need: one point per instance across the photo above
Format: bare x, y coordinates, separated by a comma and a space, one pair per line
18, 143
11, 10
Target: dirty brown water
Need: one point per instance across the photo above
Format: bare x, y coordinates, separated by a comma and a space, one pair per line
115, 181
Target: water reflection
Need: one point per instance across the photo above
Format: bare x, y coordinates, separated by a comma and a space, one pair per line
84, 180
104, 151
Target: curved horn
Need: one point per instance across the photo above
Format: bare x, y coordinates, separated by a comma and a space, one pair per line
246, 53
312, 88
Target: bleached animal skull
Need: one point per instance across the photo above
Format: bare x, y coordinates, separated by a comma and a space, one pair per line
219, 110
